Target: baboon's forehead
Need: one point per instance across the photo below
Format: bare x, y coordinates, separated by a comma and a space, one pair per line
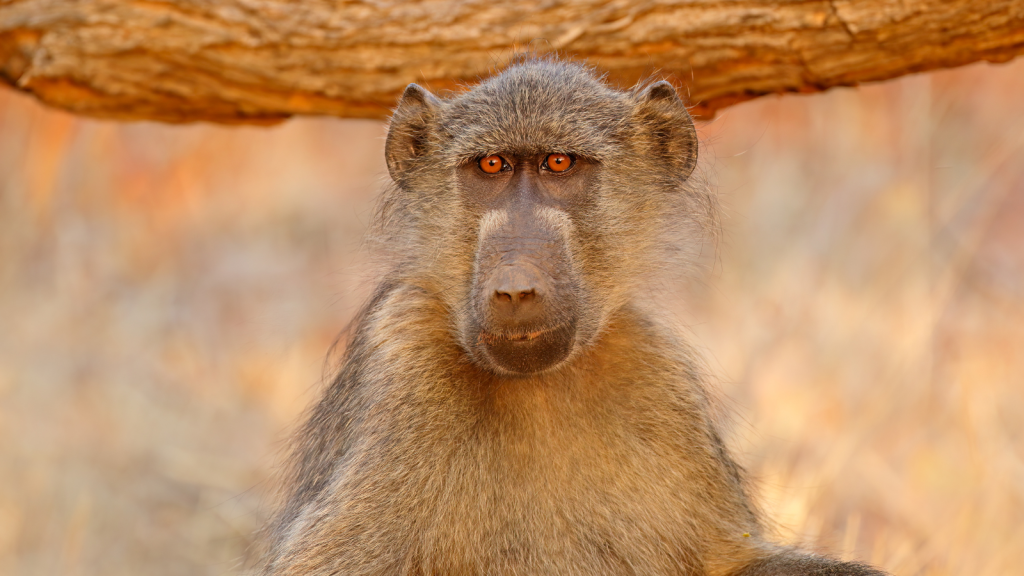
535, 108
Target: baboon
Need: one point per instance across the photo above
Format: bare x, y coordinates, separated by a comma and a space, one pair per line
509, 401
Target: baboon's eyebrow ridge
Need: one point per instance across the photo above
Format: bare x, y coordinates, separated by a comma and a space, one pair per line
509, 141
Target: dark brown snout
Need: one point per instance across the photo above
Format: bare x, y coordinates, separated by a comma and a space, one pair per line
526, 320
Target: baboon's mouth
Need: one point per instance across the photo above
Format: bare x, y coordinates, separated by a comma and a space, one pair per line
527, 352
523, 337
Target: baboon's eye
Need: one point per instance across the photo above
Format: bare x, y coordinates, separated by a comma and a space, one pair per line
558, 162
492, 164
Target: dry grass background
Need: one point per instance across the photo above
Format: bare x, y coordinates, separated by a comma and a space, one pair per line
168, 294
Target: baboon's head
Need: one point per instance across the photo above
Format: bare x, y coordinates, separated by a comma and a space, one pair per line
535, 203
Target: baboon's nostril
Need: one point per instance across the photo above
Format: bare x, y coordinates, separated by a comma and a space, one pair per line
515, 296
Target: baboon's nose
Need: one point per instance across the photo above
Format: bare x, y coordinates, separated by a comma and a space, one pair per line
517, 295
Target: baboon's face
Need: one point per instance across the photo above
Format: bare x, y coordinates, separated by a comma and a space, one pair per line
527, 295
536, 193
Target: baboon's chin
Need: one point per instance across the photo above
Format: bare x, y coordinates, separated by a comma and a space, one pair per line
528, 353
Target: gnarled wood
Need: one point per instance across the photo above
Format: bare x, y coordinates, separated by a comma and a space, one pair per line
263, 60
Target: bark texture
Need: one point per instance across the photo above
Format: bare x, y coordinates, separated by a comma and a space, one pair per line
264, 60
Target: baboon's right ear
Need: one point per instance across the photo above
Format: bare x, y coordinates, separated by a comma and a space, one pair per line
409, 131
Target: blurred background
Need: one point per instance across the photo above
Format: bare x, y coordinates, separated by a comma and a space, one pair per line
168, 295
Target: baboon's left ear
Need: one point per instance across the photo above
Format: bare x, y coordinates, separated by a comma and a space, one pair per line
409, 130
661, 116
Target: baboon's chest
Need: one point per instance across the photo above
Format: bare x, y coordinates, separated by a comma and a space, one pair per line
585, 496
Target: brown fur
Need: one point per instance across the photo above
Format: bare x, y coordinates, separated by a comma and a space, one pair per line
421, 460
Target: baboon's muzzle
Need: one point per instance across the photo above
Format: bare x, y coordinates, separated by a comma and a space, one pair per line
525, 300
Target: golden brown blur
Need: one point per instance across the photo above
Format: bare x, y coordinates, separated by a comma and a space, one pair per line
168, 295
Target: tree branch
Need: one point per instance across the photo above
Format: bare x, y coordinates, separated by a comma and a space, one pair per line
264, 60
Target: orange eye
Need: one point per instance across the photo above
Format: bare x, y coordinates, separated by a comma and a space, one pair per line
558, 162
492, 164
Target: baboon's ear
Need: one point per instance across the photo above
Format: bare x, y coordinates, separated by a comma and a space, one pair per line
409, 130
662, 118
